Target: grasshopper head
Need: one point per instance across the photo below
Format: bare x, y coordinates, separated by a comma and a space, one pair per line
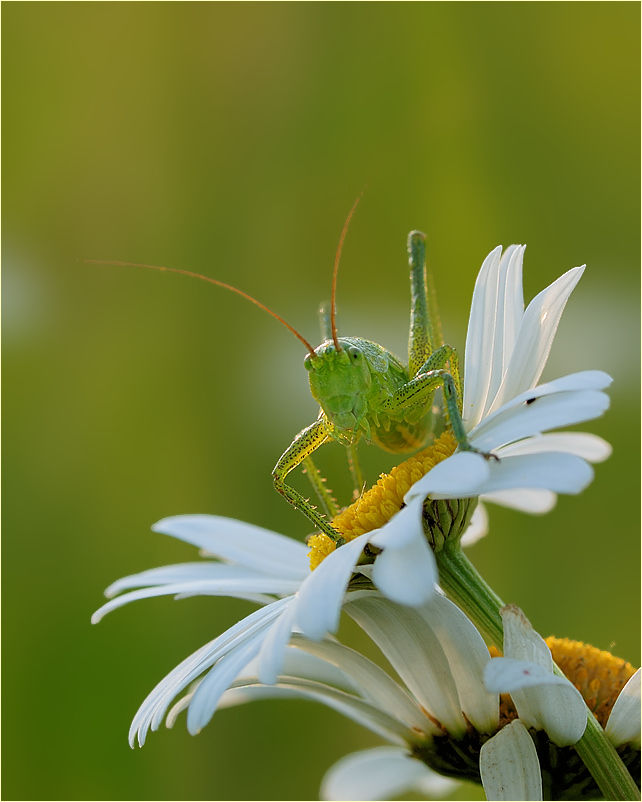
340, 382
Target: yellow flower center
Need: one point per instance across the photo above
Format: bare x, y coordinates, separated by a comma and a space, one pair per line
597, 675
383, 500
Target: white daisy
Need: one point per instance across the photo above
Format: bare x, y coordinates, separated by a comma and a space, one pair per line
443, 716
257, 565
516, 461
501, 418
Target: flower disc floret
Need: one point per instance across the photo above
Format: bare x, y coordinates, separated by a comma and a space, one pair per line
384, 499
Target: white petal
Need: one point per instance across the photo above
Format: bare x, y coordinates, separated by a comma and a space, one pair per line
459, 476
623, 725
510, 310
239, 589
480, 338
588, 446
304, 665
152, 709
529, 499
402, 528
370, 682
535, 337
382, 773
272, 653
506, 675
467, 656
217, 681
350, 706
573, 382
175, 710
562, 473
521, 642
543, 700
321, 595
241, 695
239, 542
406, 575
548, 412
413, 649
554, 705
477, 528
509, 765
182, 572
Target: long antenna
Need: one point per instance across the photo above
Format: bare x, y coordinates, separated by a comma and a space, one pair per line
218, 284
333, 303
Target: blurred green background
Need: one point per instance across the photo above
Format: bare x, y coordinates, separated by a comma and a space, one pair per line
232, 139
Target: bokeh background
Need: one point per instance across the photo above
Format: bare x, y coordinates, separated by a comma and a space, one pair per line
232, 139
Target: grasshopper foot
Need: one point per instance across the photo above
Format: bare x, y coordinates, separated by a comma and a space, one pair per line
487, 455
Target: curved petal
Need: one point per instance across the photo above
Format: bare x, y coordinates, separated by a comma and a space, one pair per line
521, 642
239, 542
239, 589
413, 649
302, 662
480, 338
509, 765
407, 575
321, 595
623, 725
271, 657
348, 705
583, 380
528, 499
588, 446
459, 476
562, 473
510, 310
477, 528
467, 656
541, 414
402, 528
545, 701
382, 773
182, 572
152, 709
535, 338
217, 681
370, 681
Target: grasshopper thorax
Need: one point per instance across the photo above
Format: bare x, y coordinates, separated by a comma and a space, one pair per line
340, 381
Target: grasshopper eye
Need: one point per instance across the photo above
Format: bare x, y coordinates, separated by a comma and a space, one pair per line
307, 363
355, 354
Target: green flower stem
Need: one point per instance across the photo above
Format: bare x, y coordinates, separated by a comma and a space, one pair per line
461, 581
465, 586
600, 758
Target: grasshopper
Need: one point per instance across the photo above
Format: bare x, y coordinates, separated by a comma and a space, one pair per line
363, 390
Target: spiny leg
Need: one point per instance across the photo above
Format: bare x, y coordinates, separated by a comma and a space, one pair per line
425, 326
326, 498
303, 445
442, 356
355, 470
420, 338
418, 393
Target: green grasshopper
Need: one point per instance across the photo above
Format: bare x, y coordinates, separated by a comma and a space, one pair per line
363, 390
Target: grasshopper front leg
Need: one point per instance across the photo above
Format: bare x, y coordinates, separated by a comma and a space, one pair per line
416, 395
303, 445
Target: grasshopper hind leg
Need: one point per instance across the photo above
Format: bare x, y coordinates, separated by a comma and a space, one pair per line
328, 502
355, 471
